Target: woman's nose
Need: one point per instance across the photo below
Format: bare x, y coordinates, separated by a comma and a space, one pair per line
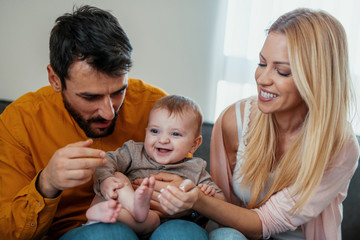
263, 76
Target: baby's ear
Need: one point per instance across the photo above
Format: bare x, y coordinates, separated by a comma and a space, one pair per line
196, 144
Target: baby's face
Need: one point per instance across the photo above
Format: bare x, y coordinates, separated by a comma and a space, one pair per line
169, 138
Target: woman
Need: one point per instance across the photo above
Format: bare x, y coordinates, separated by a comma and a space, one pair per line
285, 158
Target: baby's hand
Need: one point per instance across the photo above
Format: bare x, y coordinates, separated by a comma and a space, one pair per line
109, 186
207, 189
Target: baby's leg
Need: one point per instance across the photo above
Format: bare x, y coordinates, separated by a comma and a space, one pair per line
142, 199
103, 211
141, 228
138, 202
126, 194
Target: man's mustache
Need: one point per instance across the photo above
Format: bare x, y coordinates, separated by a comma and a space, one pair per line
96, 119
100, 119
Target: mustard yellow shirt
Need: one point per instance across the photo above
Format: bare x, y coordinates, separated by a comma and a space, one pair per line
32, 128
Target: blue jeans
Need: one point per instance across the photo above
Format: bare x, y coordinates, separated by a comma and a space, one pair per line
173, 229
226, 234
101, 231
179, 230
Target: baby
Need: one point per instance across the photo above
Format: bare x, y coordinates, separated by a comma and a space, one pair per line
173, 132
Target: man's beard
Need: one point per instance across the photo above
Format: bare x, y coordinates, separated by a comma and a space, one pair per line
85, 125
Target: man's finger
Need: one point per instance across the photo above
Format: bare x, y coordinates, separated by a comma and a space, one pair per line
138, 181
166, 177
86, 163
86, 143
79, 174
154, 205
159, 185
76, 152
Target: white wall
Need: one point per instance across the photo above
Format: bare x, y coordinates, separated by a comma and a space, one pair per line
176, 44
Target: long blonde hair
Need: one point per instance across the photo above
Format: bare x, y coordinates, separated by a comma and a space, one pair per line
318, 54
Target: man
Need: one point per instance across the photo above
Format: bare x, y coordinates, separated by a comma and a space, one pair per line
52, 140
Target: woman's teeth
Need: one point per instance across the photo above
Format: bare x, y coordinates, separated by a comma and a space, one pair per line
268, 95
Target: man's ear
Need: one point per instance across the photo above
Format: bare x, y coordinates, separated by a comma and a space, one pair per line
54, 79
196, 144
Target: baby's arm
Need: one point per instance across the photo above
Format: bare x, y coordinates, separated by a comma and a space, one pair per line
109, 186
210, 191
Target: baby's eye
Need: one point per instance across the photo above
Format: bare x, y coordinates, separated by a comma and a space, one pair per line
176, 134
154, 131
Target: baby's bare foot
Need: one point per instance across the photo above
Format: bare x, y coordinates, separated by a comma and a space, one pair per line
142, 199
106, 211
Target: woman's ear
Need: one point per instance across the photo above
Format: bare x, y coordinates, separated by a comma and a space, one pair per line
54, 79
196, 144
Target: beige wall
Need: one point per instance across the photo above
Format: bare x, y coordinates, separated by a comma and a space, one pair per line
177, 44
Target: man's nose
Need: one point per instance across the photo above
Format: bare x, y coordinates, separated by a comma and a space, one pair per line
106, 109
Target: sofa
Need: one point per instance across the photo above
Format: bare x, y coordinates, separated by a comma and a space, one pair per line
351, 219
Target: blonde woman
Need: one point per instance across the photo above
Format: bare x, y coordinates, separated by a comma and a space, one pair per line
284, 159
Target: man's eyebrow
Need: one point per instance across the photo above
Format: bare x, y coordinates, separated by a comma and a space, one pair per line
87, 94
276, 62
121, 89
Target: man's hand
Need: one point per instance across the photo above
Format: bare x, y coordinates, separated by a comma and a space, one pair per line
162, 180
69, 167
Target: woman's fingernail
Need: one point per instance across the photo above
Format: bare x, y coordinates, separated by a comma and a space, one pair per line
168, 186
182, 188
161, 190
159, 196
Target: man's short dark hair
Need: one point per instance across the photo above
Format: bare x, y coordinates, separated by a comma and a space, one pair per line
93, 35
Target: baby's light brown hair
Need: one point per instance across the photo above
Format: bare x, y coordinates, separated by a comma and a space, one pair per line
180, 105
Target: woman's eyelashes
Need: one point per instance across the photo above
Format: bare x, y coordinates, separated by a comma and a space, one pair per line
280, 72
283, 73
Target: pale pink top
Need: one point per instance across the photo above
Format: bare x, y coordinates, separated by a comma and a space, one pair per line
320, 218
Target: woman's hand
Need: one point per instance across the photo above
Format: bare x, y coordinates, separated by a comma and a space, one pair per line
176, 200
162, 180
